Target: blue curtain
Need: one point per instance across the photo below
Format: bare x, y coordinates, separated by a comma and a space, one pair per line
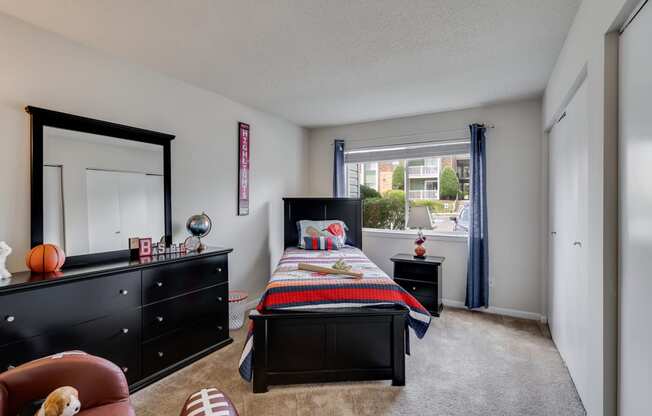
338, 170
477, 275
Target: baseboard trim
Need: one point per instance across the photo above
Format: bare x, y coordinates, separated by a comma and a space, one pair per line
514, 313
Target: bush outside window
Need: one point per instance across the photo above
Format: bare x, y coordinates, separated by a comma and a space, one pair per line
430, 193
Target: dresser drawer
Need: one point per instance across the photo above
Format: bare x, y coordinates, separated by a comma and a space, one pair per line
413, 271
105, 337
417, 288
166, 316
170, 280
176, 346
55, 309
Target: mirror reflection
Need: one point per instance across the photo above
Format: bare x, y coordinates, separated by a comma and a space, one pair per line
99, 191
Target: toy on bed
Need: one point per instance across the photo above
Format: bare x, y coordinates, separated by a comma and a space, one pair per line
64, 401
330, 270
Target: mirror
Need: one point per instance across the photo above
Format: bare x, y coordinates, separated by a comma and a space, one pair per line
95, 184
98, 191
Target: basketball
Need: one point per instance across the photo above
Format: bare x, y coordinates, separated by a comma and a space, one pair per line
45, 258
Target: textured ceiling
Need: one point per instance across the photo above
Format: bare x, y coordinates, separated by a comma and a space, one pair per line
325, 62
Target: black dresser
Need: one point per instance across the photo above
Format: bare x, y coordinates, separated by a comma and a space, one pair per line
422, 278
150, 316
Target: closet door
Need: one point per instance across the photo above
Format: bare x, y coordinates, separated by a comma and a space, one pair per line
568, 280
635, 171
103, 204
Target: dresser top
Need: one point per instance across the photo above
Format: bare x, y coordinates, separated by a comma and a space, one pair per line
409, 258
22, 280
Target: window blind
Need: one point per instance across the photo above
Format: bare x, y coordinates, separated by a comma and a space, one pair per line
407, 151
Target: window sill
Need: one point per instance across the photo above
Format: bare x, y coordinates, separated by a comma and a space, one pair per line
411, 235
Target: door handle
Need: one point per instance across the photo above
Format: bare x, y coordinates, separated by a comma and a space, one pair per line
553, 233
577, 243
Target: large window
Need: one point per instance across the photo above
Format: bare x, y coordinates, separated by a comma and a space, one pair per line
430, 192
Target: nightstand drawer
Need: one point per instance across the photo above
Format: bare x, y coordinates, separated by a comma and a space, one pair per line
412, 271
417, 288
427, 302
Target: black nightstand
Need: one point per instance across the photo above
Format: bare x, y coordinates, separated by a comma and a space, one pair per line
422, 278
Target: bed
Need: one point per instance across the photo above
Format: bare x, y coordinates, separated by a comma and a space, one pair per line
310, 328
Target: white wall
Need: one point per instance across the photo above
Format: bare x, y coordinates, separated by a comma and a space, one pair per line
514, 189
42, 69
590, 52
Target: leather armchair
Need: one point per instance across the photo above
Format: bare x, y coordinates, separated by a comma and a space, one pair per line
102, 386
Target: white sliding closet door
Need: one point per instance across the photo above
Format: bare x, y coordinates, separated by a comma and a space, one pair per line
635, 172
568, 283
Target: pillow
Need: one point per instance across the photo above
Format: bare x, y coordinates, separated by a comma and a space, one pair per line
334, 229
320, 243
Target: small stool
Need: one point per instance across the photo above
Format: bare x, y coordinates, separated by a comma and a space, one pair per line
208, 402
237, 300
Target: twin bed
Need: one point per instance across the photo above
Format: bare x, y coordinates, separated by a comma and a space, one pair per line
312, 328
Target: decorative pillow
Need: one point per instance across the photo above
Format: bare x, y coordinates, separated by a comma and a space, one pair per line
320, 243
333, 229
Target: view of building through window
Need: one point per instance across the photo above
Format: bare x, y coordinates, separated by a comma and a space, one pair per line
430, 193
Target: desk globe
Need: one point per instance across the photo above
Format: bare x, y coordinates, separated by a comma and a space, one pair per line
198, 226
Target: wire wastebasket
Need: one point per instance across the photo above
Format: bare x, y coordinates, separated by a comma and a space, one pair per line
237, 304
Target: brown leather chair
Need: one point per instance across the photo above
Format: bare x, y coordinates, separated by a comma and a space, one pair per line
102, 386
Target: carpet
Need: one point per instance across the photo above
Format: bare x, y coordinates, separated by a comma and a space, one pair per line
469, 363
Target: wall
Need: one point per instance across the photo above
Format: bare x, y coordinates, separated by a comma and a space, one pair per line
514, 160
42, 69
590, 52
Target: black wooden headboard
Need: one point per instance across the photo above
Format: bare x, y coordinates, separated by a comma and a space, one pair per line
348, 210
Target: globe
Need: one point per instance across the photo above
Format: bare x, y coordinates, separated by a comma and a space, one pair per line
199, 225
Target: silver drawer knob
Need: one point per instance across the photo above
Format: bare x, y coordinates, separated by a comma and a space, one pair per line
10, 318
414, 288
125, 370
220, 298
220, 327
125, 330
159, 284
124, 292
160, 354
219, 270
159, 318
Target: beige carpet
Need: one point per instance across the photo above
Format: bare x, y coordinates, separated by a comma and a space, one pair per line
469, 363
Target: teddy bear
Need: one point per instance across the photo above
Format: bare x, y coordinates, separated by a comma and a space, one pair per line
5, 251
64, 401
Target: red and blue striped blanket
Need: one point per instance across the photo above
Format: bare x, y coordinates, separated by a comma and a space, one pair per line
294, 289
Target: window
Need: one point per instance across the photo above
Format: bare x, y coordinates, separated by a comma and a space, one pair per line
429, 192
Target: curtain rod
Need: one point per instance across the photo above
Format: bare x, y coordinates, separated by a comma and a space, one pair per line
422, 133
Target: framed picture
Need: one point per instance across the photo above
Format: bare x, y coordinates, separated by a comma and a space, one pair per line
145, 247
244, 147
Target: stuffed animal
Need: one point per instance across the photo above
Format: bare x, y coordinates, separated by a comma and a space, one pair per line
5, 251
64, 401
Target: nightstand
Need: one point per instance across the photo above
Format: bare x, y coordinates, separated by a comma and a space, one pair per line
421, 278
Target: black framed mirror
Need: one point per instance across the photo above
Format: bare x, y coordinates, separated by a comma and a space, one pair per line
95, 184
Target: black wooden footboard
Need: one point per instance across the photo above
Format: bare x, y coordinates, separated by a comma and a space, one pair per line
325, 346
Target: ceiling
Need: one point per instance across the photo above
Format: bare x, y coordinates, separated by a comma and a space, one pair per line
327, 62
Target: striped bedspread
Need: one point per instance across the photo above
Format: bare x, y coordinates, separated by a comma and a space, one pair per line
293, 289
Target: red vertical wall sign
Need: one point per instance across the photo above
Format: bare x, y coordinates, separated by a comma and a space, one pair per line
243, 168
